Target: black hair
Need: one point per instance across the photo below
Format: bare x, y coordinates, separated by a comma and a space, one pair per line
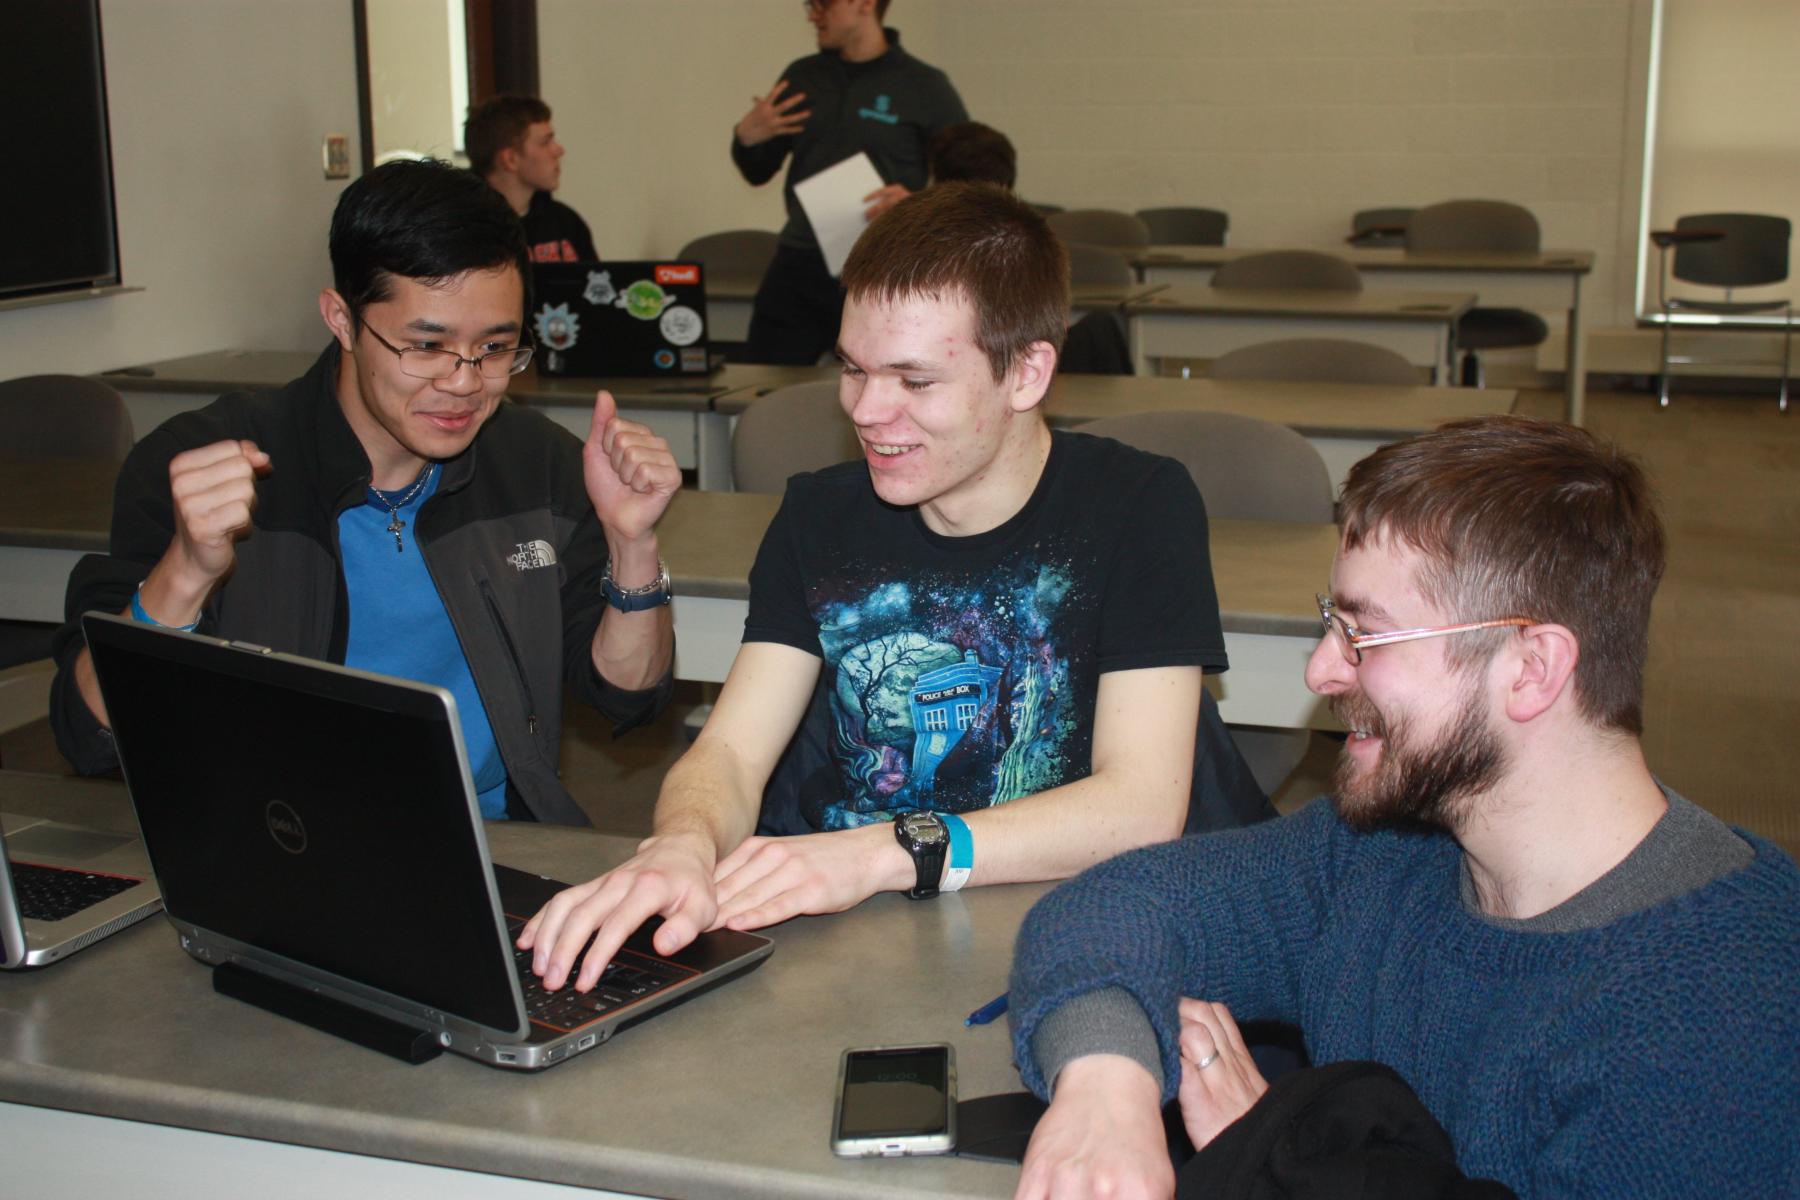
970, 152
425, 220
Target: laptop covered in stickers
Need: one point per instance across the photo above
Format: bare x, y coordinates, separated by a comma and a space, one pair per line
619, 318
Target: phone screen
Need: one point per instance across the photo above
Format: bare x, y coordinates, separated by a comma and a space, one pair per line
896, 1100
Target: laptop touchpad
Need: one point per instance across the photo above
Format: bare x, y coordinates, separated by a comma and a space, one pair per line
64, 842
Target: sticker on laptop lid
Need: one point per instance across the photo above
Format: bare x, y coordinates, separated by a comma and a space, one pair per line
681, 325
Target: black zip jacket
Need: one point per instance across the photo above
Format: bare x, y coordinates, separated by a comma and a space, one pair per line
889, 106
510, 538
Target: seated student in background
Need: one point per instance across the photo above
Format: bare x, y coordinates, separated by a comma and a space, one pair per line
1010, 625
1587, 980
390, 510
511, 144
970, 152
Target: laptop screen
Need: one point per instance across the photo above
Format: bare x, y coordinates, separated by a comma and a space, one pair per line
319, 814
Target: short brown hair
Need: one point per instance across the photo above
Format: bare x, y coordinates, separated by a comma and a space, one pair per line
970, 152
499, 123
977, 241
1526, 518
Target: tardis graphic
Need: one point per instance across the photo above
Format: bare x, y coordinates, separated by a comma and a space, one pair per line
946, 705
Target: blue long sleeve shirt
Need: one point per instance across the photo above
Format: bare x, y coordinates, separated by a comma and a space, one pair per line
1656, 1055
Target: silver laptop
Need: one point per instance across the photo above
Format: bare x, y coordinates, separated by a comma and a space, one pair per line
63, 887
315, 830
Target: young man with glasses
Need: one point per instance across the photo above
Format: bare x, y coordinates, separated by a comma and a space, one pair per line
1587, 980
389, 510
860, 93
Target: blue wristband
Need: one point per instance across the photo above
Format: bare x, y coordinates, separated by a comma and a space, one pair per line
138, 614
962, 853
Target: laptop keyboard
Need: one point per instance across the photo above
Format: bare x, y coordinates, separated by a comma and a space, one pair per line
627, 979
56, 893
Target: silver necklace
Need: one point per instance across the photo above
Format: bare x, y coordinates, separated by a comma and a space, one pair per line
395, 524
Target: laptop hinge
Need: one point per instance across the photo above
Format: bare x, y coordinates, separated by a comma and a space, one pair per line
396, 1039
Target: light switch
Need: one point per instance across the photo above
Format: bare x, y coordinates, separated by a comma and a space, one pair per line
337, 156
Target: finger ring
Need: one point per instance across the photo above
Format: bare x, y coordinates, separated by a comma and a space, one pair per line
1208, 1061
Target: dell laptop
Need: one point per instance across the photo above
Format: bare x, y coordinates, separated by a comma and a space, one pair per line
315, 832
63, 887
611, 319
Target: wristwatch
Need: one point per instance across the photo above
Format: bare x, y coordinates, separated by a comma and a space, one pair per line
637, 599
924, 836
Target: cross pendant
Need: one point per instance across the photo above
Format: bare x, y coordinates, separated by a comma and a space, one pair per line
394, 527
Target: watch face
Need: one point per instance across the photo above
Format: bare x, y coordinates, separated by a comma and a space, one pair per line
924, 828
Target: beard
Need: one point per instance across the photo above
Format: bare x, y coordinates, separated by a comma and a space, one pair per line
1429, 785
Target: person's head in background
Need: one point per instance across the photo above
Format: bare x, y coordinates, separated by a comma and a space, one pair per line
970, 152
955, 305
850, 27
512, 145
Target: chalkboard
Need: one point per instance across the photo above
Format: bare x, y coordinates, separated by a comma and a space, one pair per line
58, 230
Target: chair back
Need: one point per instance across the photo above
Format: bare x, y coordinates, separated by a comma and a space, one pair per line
1098, 266
1099, 227
1754, 250
1185, 226
1047, 209
1247, 469
1381, 226
1316, 360
792, 429
63, 416
1289, 269
735, 252
1472, 225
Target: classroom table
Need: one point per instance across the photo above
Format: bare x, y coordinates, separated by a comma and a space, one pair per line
1345, 422
730, 300
1540, 280
122, 1072
52, 511
678, 408
1197, 321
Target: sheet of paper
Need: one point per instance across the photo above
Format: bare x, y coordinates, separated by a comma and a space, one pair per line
833, 200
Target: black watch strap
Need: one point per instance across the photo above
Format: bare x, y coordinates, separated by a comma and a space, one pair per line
924, 836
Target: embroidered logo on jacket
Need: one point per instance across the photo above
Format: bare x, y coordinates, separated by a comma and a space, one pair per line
880, 112
532, 555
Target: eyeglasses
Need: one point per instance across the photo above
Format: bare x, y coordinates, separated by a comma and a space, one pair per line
421, 363
1353, 640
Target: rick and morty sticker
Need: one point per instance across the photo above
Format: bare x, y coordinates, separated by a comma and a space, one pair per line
678, 327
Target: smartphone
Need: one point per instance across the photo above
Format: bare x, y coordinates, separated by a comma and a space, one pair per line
894, 1101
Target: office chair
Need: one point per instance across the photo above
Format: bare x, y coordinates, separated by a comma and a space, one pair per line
56, 416
1247, 470
792, 429
1481, 225
1099, 227
1181, 226
1724, 250
734, 253
1098, 266
1374, 227
1289, 269
1316, 360
1047, 209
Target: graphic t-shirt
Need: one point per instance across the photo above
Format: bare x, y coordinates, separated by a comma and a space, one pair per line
962, 672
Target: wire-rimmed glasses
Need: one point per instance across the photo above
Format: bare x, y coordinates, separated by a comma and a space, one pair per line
1353, 640
421, 363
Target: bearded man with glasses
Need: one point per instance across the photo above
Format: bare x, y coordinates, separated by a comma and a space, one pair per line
391, 511
1500, 927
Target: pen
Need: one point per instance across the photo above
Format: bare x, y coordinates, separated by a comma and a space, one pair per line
987, 1012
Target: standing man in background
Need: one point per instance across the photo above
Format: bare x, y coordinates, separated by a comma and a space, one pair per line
512, 145
861, 92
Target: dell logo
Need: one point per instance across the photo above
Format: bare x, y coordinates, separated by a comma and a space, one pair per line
286, 827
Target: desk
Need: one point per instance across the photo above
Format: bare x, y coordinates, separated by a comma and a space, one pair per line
730, 299
1192, 321
1540, 280
675, 407
52, 511
729, 1095
1345, 422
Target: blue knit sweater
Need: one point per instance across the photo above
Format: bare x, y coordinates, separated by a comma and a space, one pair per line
1655, 1056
